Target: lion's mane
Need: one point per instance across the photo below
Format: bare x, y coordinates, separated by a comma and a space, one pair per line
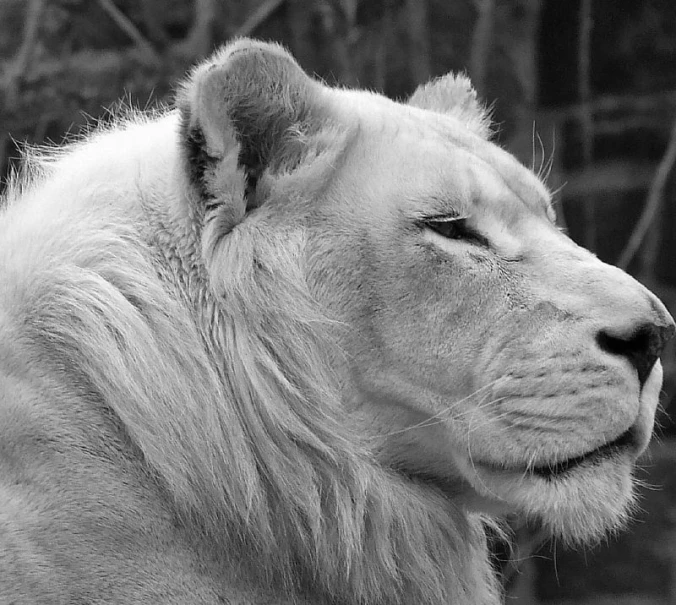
234, 405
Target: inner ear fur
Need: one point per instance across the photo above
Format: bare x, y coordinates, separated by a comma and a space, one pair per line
454, 95
246, 110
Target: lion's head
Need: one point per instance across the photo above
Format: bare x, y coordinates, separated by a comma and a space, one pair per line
340, 329
483, 348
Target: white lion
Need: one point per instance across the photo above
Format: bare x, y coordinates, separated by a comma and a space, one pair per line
292, 344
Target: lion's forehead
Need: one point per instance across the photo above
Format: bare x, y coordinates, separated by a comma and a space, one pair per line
437, 156
491, 178
419, 173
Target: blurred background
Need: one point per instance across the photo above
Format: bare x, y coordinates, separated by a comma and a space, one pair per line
582, 90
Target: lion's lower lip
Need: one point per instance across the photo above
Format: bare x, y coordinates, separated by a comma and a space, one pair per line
556, 469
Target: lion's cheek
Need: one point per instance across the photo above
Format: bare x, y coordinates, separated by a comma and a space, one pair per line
532, 417
579, 505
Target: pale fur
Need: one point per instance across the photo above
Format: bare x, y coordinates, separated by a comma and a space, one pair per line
251, 455
233, 405
176, 346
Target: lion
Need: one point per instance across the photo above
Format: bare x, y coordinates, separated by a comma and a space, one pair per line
287, 343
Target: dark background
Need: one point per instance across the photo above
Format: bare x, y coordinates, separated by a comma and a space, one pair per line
584, 90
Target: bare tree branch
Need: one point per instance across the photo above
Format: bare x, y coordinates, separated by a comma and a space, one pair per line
585, 115
200, 38
150, 9
300, 25
619, 126
609, 178
618, 103
419, 36
655, 196
125, 24
338, 20
481, 44
647, 255
255, 19
20, 65
380, 63
519, 44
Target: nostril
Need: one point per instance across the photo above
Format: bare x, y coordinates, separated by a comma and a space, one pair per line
642, 346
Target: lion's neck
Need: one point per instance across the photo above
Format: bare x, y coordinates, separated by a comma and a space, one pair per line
319, 511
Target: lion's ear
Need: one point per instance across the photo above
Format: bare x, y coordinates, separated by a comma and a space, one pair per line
453, 94
246, 110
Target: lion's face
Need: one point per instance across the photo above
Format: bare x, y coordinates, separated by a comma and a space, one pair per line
486, 348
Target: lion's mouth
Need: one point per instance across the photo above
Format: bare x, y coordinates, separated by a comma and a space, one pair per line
556, 469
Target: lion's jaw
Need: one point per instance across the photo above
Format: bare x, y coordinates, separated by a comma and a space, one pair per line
501, 363
590, 493
482, 345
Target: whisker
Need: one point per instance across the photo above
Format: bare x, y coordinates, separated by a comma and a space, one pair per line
471, 461
542, 155
532, 148
439, 417
558, 190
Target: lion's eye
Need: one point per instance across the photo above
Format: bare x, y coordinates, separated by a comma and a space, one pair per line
449, 228
455, 228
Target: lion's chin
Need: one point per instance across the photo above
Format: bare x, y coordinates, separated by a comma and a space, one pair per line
578, 504
581, 498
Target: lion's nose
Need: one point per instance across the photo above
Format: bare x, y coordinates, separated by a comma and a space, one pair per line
642, 344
